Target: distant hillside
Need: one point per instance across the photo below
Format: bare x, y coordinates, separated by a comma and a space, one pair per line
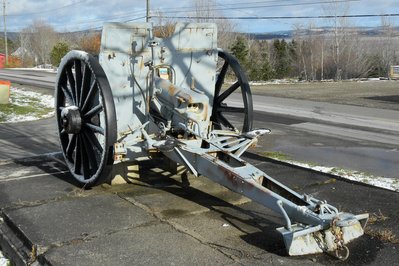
363, 31
13, 36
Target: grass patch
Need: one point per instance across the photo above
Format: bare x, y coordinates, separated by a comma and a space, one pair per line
20, 110
36, 110
25, 105
384, 235
276, 155
377, 217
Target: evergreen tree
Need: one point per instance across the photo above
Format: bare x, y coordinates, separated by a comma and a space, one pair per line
267, 71
58, 52
254, 72
10, 46
283, 61
240, 50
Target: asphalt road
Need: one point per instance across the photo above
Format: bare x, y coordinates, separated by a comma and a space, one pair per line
43, 79
335, 135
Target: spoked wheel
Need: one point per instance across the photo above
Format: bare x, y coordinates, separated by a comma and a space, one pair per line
86, 118
240, 82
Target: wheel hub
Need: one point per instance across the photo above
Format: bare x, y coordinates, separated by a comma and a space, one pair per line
71, 120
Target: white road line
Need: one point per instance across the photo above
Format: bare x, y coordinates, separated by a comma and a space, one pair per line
5, 179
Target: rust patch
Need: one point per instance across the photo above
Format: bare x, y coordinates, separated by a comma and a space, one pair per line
238, 183
141, 63
181, 99
205, 112
231, 177
172, 90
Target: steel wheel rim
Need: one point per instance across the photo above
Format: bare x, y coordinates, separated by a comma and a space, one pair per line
219, 108
85, 117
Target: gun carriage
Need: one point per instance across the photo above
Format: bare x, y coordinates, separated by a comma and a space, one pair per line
146, 94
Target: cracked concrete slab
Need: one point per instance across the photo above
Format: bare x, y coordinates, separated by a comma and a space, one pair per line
81, 216
183, 200
158, 244
158, 220
33, 191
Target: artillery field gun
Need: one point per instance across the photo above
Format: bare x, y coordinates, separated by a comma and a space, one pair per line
148, 95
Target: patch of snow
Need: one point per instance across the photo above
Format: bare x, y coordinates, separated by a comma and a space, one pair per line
3, 261
51, 70
45, 100
273, 81
23, 97
376, 181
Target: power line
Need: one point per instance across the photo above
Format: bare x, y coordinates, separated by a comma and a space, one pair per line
245, 6
242, 5
46, 11
223, 5
283, 17
119, 16
100, 27
208, 6
128, 14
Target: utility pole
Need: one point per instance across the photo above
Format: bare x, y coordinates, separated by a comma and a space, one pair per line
5, 30
147, 18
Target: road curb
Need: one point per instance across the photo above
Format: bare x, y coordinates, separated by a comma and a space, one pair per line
12, 242
338, 177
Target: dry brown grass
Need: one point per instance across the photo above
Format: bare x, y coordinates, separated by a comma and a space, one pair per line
345, 92
377, 217
385, 235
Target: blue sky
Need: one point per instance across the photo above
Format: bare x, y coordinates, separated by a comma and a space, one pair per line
74, 15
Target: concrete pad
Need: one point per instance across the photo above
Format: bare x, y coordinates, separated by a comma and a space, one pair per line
235, 230
156, 186
33, 191
157, 244
156, 218
63, 221
33, 180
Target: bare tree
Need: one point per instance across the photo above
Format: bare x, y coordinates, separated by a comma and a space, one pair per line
301, 62
25, 50
39, 39
310, 51
322, 46
164, 27
204, 13
387, 51
337, 9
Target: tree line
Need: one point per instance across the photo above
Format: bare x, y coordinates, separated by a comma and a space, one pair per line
313, 56
310, 54
41, 44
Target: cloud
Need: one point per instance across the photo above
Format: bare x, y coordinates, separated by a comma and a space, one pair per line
73, 15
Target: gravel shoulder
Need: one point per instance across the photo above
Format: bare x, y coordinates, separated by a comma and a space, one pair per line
373, 94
